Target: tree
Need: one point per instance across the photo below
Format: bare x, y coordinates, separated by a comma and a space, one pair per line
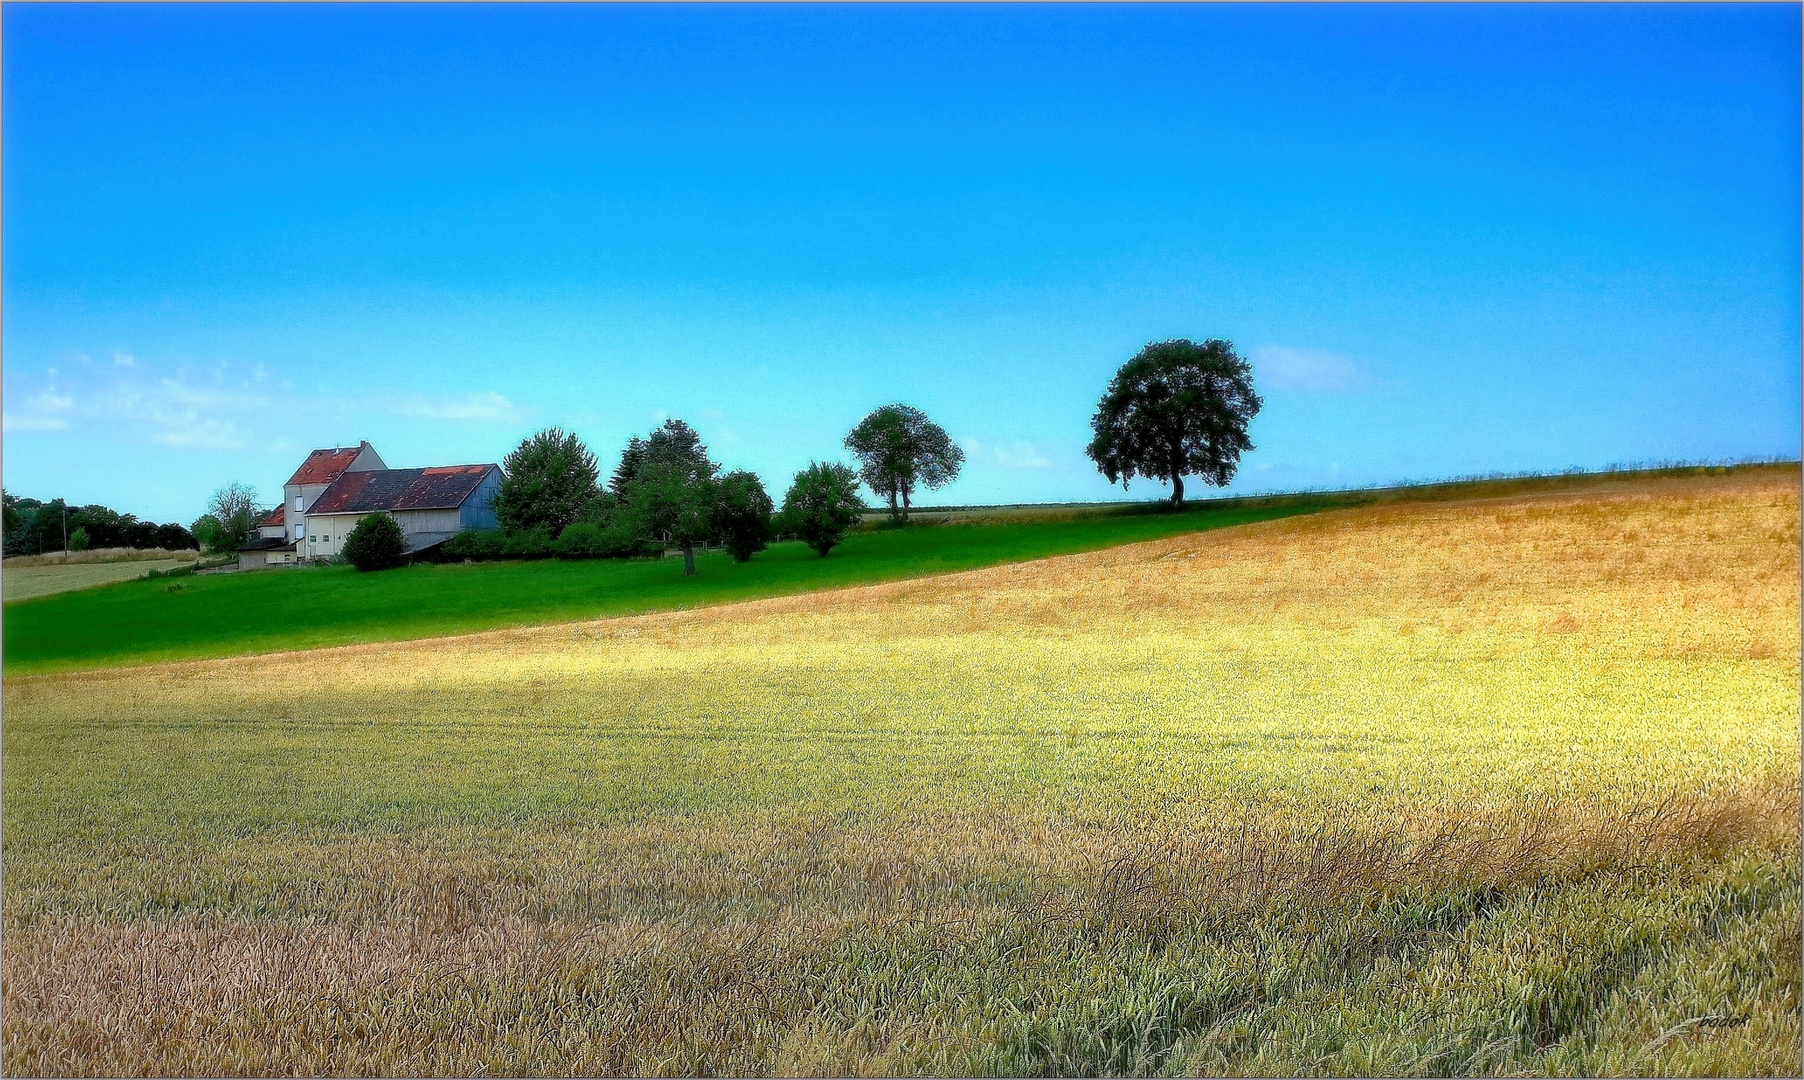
546, 482
375, 543
1176, 409
670, 500
666, 490
822, 504
234, 507
674, 443
742, 512
206, 532
78, 540
899, 448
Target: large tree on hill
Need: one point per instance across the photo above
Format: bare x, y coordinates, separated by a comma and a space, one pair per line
898, 448
546, 482
1176, 409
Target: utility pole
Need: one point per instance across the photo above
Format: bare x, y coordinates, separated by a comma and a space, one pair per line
65, 528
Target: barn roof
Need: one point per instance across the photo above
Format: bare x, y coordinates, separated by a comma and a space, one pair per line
275, 517
268, 544
443, 488
325, 466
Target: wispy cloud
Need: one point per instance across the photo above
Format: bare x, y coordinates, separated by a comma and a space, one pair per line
216, 409
1306, 369
1016, 454
484, 408
43, 411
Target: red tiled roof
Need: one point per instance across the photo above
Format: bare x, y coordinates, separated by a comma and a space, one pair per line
275, 517
444, 488
325, 466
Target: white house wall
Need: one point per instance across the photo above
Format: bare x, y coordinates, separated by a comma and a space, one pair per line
326, 533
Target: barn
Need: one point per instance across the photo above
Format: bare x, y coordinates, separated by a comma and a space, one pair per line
431, 505
337, 487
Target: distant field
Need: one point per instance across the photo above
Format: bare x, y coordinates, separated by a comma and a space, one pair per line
1495, 787
272, 610
30, 582
277, 610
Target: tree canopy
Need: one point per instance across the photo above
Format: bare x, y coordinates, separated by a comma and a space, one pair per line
547, 481
898, 448
674, 503
1176, 409
742, 514
673, 443
235, 508
822, 504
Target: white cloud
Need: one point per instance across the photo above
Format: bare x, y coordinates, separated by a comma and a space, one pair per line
474, 408
204, 434
124, 360
44, 411
29, 422
1017, 454
1306, 369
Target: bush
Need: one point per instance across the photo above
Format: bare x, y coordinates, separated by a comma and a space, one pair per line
582, 541
78, 540
375, 543
532, 543
475, 544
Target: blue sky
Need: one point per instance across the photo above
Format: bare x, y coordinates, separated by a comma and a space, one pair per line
1451, 239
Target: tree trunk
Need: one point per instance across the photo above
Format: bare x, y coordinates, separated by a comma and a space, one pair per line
904, 504
688, 560
894, 514
1177, 486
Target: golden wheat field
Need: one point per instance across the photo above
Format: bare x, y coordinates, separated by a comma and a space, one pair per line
1496, 786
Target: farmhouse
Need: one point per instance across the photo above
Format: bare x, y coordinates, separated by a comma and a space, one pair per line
335, 488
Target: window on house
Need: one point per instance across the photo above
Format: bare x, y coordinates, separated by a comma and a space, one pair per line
297, 502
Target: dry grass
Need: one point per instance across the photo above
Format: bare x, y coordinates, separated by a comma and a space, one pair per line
100, 555
1452, 788
29, 582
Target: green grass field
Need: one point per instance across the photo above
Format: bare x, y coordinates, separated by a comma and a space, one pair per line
268, 611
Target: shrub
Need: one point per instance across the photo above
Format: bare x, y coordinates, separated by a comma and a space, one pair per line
375, 543
475, 544
78, 540
534, 543
582, 541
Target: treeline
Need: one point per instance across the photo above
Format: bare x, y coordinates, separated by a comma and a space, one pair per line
665, 492
33, 527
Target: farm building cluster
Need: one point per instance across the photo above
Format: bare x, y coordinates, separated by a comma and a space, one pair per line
337, 487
